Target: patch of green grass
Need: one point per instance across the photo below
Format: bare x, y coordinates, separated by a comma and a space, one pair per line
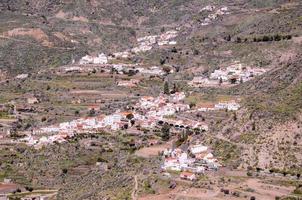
291, 103
147, 187
227, 152
283, 104
197, 98
248, 138
4, 115
298, 191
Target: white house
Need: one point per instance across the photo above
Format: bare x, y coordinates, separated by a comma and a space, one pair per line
32, 100
188, 176
198, 149
232, 105
22, 76
100, 59
171, 164
178, 96
123, 54
111, 119
172, 42
208, 8
183, 158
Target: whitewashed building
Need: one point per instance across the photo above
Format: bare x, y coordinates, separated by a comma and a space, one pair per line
100, 59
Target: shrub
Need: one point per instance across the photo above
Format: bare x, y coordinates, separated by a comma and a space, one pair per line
43, 119
28, 188
228, 38
298, 190
130, 116
91, 112
195, 52
174, 50
238, 40
165, 132
277, 37
258, 169
166, 88
265, 38
166, 69
162, 61
192, 105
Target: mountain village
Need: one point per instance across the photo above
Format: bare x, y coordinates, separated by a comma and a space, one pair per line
176, 100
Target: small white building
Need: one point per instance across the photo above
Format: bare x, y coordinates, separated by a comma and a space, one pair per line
100, 59
231, 106
198, 149
22, 76
111, 119
188, 176
178, 96
171, 164
32, 100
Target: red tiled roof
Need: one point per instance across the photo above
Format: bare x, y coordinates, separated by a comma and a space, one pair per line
186, 174
207, 105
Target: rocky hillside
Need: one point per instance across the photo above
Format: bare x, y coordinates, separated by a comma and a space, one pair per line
61, 30
36, 34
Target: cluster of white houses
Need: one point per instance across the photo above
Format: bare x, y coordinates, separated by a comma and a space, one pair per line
100, 59
223, 105
233, 74
115, 68
161, 108
213, 16
195, 160
145, 43
147, 113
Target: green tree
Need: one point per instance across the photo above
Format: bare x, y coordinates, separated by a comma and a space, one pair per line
91, 112
265, 38
195, 52
277, 37
166, 88
228, 38
233, 80
162, 61
166, 69
64, 171
165, 132
220, 81
130, 116
175, 88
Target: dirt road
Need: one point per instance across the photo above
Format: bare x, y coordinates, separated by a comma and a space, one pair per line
134, 192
